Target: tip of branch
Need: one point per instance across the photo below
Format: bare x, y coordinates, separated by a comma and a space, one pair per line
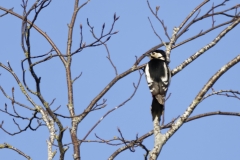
115, 32
87, 22
108, 38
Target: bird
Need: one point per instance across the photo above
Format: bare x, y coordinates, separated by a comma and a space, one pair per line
158, 76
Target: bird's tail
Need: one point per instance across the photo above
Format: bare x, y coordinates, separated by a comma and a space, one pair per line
157, 109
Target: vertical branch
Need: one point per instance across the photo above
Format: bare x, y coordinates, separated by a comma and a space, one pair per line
26, 35
73, 130
172, 41
158, 140
50, 125
71, 25
213, 21
69, 58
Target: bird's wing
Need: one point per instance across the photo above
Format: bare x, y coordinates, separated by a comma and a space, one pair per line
165, 78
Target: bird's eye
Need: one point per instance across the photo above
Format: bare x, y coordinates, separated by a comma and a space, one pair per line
153, 53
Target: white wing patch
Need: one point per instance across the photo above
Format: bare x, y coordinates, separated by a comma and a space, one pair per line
165, 78
148, 77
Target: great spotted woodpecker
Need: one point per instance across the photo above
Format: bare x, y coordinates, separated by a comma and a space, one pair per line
158, 77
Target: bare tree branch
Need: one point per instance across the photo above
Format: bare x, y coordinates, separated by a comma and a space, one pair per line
155, 31
21, 130
161, 21
201, 33
26, 35
223, 93
67, 65
77, 77
6, 145
44, 34
14, 101
50, 118
123, 103
19, 83
6, 12
168, 125
174, 71
109, 58
155, 152
192, 13
207, 47
206, 15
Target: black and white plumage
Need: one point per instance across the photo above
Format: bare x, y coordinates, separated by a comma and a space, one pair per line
158, 77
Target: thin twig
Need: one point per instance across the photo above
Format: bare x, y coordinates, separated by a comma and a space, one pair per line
224, 93
161, 21
155, 31
123, 103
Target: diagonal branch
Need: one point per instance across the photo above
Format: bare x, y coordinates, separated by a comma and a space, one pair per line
201, 33
6, 145
150, 133
205, 48
115, 108
14, 101
5, 13
174, 71
44, 34
192, 13
19, 83
155, 30
161, 21
174, 37
199, 97
224, 93
109, 58
104, 91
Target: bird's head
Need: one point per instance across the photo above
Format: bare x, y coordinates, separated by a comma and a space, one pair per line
158, 54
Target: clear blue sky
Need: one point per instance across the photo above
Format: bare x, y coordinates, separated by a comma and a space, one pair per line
215, 137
